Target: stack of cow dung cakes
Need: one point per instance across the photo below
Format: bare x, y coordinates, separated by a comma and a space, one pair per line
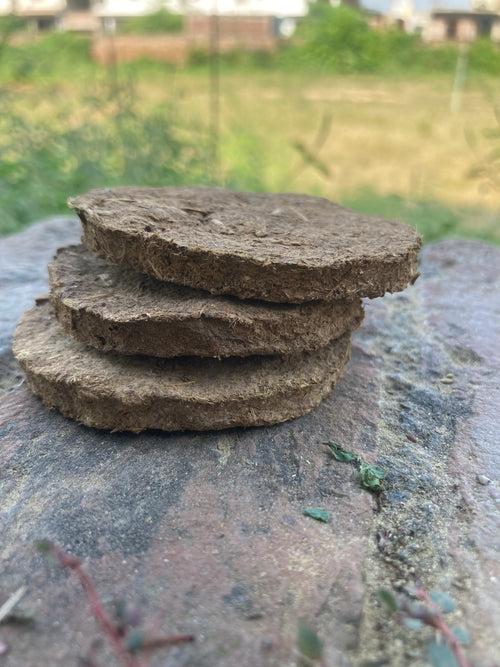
200, 308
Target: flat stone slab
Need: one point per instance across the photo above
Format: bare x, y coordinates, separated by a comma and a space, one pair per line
204, 533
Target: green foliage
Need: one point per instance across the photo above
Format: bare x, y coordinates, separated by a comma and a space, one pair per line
330, 39
10, 24
341, 454
244, 151
317, 513
484, 57
339, 39
415, 616
161, 21
336, 39
112, 141
56, 54
309, 644
431, 219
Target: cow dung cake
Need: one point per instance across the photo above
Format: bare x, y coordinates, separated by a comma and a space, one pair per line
122, 393
276, 247
117, 309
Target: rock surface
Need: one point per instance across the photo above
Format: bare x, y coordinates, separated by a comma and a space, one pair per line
205, 533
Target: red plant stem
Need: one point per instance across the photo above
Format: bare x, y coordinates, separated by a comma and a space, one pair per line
102, 617
437, 620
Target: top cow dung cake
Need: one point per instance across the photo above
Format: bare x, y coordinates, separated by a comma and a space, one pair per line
285, 248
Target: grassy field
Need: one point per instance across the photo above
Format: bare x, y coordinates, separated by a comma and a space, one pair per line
387, 145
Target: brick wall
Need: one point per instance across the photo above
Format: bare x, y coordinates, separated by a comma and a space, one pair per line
124, 48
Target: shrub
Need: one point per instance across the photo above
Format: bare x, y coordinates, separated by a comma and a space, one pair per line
158, 22
111, 141
10, 24
337, 39
484, 57
56, 53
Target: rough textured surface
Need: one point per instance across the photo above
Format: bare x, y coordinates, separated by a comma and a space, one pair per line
135, 393
23, 275
204, 532
285, 248
119, 309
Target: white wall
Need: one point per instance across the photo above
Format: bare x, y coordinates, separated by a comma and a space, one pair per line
244, 7
223, 7
486, 5
5, 7
125, 8
33, 7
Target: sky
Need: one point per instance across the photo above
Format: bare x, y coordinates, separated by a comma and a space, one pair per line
383, 5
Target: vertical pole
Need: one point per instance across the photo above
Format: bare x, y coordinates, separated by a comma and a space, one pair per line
459, 81
214, 101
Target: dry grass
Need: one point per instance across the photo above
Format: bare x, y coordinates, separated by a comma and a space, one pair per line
329, 135
392, 135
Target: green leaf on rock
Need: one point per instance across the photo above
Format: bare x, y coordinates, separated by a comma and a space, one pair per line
317, 513
341, 454
443, 601
388, 599
371, 476
440, 655
308, 643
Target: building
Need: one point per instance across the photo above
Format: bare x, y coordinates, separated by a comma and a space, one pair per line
462, 26
91, 15
53, 14
481, 22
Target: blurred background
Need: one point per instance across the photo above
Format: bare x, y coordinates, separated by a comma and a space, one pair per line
390, 107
